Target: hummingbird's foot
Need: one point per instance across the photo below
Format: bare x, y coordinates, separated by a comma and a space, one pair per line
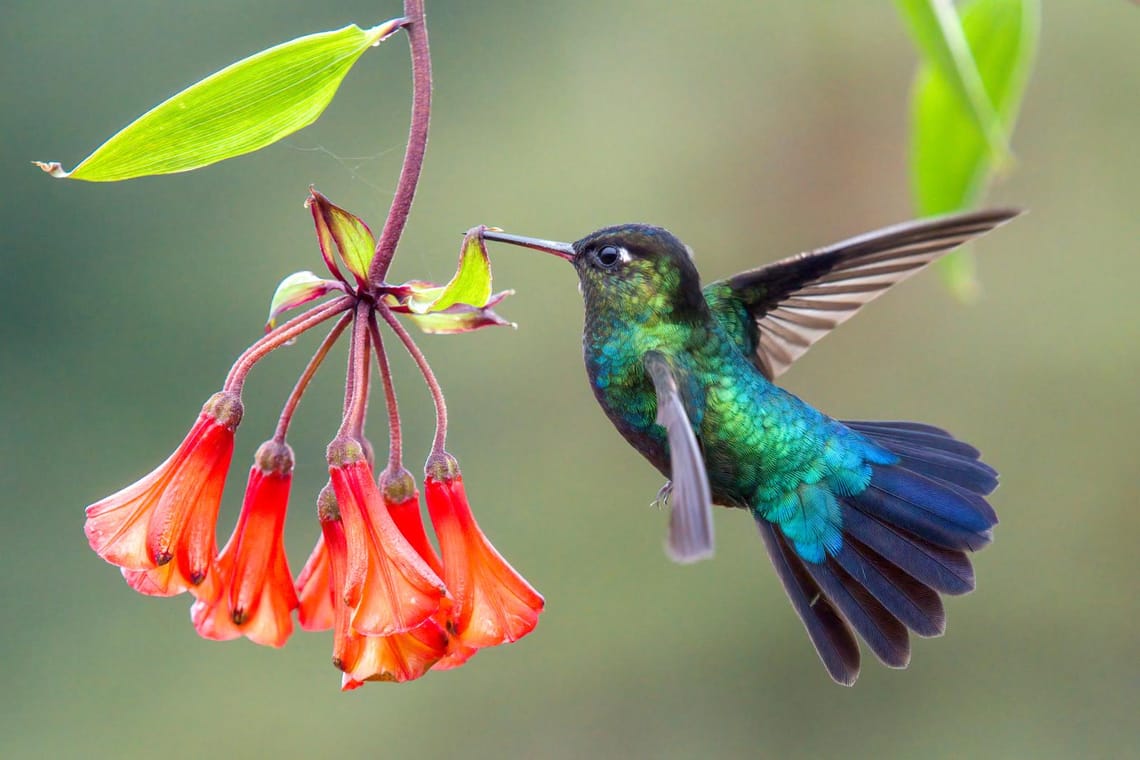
661, 500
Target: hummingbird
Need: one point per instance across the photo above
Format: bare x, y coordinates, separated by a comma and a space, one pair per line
865, 522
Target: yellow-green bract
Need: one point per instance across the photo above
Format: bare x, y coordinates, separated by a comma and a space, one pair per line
296, 289
471, 284
243, 107
347, 231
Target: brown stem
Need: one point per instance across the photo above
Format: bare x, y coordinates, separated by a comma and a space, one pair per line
306, 377
395, 437
352, 426
429, 377
416, 27
278, 337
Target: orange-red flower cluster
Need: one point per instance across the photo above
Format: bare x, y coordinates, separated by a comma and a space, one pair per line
396, 607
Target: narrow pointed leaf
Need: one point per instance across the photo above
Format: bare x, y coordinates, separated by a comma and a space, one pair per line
950, 162
246, 106
296, 289
936, 29
471, 284
351, 237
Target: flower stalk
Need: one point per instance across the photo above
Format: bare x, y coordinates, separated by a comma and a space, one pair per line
359, 366
434, 388
286, 333
416, 27
395, 435
307, 376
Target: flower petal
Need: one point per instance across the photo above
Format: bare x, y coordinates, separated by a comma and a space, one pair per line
493, 604
391, 588
314, 591
401, 657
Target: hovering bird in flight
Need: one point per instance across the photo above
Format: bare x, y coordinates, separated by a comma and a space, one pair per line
866, 523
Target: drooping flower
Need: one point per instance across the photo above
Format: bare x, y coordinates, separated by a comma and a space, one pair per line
389, 586
493, 604
399, 657
403, 501
257, 596
161, 530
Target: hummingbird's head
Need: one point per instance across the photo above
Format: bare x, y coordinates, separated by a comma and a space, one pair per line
632, 268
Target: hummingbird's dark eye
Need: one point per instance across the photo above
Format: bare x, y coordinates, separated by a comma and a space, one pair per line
609, 256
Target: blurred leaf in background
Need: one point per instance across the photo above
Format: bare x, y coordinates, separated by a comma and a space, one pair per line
967, 93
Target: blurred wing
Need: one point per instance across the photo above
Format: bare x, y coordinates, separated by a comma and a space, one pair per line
796, 301
690, 521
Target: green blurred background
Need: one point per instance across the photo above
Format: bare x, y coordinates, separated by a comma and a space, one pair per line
752, 131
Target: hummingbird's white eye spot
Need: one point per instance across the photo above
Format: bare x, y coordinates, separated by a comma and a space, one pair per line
611, 255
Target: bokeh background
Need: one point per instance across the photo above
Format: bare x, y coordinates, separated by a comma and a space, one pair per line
753, 130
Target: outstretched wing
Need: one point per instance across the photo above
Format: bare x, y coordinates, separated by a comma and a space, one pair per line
780, 310
690, 521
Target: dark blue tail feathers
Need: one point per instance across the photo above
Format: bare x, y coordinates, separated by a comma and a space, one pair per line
906, 539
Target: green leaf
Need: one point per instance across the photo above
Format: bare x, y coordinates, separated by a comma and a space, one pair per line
950, 161
347, 232
246, 106
471, 284
296, 289
936, 29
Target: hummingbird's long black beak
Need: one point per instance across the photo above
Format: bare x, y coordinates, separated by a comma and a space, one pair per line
562, 250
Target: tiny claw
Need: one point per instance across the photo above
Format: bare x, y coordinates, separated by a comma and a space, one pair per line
661, 500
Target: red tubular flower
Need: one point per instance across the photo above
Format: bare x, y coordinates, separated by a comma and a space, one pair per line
161, 530
391, 588
493, 603
403, 502
399, 657
257, 596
